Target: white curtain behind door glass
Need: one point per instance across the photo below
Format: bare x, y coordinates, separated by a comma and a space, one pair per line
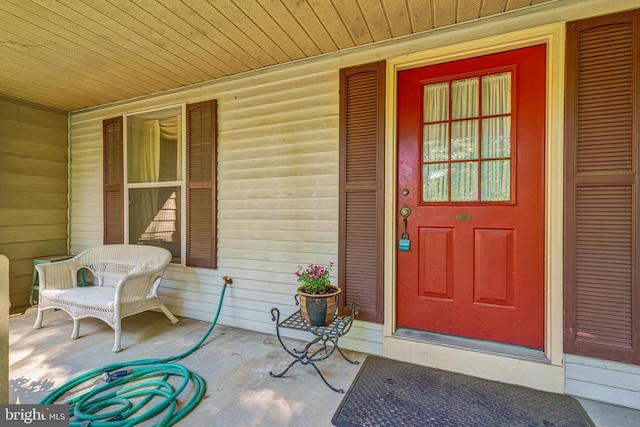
435, 179
496, 94
496, 138
464, 140
436, 102
435, 142
464, 98
435, 136
463, 144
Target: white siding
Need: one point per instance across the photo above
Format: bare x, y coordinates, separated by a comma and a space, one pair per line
33, 189
602, 380
277, 174
277, 193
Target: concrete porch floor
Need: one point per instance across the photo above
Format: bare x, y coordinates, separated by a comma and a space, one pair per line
235, 364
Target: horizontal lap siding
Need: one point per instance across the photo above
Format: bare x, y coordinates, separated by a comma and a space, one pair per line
277, 194
86, 205
33, 189
277, 188
603, 380
277, 177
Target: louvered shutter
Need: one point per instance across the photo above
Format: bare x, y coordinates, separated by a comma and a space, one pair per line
362, 188
201, 184
601, 250
113, 185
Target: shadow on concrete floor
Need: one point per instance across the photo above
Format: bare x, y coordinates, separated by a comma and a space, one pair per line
235, 364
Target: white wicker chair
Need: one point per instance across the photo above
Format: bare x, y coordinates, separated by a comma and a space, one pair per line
125, 282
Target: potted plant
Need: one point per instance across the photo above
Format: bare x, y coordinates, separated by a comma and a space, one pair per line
318, 298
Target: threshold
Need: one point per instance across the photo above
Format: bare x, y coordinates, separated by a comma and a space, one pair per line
491, 347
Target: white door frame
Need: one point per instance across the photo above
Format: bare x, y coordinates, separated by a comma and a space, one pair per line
548, 372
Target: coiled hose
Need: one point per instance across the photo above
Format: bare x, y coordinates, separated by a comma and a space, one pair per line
132, 395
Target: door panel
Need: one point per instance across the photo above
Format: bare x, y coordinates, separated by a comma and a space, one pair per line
493, 262
471, 164
436, 263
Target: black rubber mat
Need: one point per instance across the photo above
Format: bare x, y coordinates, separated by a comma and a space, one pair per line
397, 394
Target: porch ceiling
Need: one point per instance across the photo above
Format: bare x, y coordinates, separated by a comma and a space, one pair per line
77, 54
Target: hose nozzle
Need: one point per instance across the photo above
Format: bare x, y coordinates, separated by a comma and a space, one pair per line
112, 376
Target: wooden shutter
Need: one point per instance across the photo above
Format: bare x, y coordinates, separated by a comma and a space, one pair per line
113, 185
201, 184
602, 298
362, 188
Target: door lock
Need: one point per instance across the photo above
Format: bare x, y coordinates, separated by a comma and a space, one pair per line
405, 242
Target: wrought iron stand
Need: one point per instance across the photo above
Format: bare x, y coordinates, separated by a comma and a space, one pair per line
325, 336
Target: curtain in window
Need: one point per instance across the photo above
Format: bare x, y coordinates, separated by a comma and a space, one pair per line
496, 137
464, 98
144, 166
435, 145
456, 157
171, 130
149, 141
202, 237
464, 140
161, 204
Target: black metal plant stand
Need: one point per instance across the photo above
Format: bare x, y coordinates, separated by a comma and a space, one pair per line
326, 336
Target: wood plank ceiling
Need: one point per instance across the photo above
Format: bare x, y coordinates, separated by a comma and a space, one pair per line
75, 54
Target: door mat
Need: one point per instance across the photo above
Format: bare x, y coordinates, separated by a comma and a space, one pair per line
398, 394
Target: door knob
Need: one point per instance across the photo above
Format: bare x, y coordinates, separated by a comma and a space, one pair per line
405, 243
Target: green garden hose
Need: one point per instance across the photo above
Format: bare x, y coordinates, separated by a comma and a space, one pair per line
136, 391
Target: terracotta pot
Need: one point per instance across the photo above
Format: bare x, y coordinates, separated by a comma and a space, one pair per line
319, 310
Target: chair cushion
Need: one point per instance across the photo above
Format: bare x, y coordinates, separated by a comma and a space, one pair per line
91, 296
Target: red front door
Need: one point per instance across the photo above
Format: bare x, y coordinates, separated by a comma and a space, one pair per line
471, 170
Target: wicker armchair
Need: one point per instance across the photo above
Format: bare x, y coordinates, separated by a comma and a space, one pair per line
125, 282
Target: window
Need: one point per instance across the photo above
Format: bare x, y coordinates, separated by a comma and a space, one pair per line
167, 176
155, 182
466, 140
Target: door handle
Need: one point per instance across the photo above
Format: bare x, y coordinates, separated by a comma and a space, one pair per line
405, 242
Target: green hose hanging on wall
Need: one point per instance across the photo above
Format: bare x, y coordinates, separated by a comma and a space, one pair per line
136, 391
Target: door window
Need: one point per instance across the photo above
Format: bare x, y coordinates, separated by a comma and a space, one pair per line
466, 140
